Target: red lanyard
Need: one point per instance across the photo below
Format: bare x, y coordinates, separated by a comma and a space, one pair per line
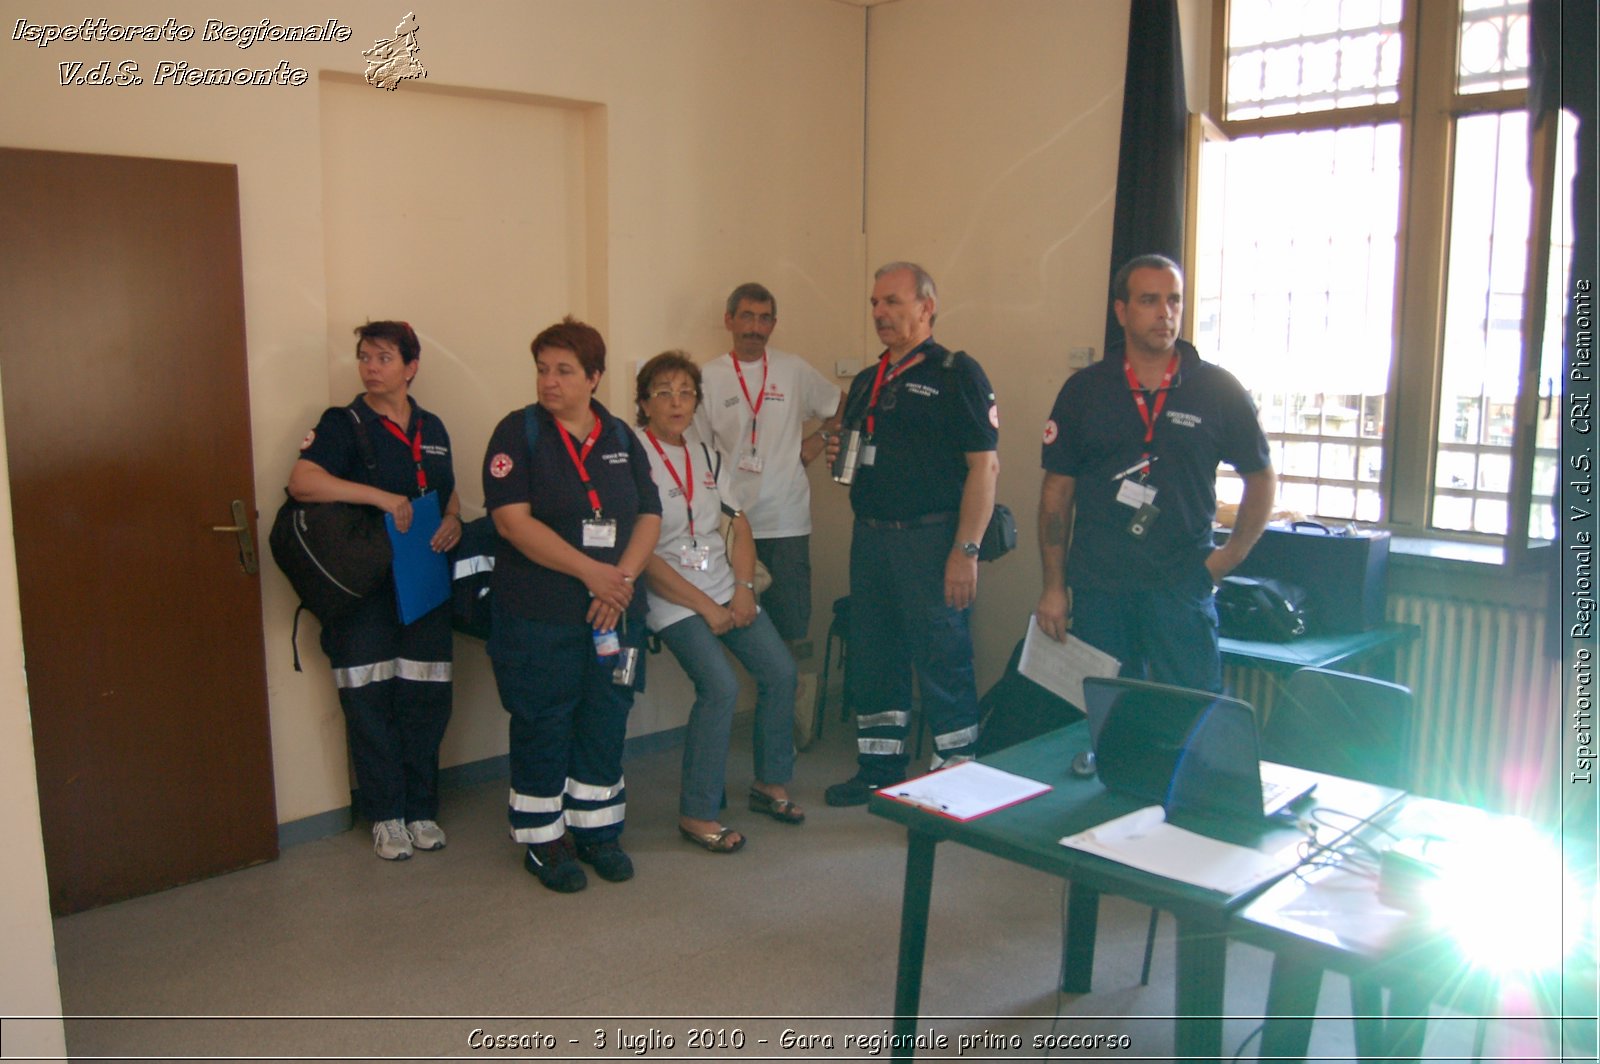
687, 484
1145, 415
579, 459
886, 376
414, 444
761, 397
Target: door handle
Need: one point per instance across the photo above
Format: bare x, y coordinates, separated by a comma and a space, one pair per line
247, 542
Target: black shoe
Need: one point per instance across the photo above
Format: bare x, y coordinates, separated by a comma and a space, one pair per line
610, 863
853, 791
556, 866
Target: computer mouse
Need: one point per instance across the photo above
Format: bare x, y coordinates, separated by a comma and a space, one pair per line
1083, 764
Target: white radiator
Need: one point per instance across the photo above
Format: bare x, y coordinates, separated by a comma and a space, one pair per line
1488, 703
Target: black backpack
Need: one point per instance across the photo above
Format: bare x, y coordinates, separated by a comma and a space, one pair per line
335, 554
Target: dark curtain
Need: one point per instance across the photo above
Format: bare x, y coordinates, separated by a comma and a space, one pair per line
1150, 163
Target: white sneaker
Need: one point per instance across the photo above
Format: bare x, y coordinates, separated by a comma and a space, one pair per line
390, 840
425, 834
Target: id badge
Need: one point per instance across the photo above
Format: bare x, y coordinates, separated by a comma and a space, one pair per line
1143, 518
750, 463
694, 557
599, 532
1133, 493
607, 644
869, 455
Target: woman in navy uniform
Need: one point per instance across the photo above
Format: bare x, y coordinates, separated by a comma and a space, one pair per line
571, 495
394, 679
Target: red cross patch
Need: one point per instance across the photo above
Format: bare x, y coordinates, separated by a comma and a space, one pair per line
994, 414
307, 441
500, 466
1050, 431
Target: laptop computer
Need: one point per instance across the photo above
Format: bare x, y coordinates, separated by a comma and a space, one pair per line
1188, 750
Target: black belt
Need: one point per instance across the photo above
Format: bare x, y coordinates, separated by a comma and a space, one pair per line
916, 522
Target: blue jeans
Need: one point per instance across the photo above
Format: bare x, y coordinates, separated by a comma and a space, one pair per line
716, 691
1166, 634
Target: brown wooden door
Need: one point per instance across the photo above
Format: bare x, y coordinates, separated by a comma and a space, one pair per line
122, 362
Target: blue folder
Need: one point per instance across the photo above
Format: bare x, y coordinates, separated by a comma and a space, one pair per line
421, 574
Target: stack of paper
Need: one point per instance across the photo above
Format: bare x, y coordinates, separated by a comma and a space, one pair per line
1144, 840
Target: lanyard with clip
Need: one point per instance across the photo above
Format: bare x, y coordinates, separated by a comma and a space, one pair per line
761, 395
686, 484
886, 376
578, 460
1146, 415
414, 443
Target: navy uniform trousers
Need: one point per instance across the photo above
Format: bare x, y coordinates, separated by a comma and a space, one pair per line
899, 622
394, 684
568, 726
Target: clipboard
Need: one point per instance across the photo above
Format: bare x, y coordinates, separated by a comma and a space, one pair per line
421, 574
965, 791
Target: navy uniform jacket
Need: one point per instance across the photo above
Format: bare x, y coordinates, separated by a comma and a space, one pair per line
1095, 432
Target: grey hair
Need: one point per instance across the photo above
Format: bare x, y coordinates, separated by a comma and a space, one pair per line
922, 281
755, 293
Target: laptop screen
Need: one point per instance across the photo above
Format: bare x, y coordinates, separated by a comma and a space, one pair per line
1187, 750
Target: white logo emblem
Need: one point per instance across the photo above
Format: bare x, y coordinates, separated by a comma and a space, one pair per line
500, 466
994, 414
307, 441
1050, 431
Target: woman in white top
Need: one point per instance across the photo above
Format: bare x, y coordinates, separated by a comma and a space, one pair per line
701, 600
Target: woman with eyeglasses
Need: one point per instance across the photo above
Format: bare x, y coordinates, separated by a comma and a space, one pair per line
701, 600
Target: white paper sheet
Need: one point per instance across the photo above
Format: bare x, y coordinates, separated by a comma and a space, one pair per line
1144, 840
966, 790
1061, 667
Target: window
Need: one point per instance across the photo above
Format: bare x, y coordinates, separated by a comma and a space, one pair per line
1371, 260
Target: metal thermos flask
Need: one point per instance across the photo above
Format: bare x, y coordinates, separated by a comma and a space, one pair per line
848, 459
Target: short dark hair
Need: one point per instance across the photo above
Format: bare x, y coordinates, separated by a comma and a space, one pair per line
755, 293
582, 339
666, 362
399, 333
1119, 283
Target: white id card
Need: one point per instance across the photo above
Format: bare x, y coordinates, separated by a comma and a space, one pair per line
1134, 494
869, 455
750, 463
599, 532
696, 557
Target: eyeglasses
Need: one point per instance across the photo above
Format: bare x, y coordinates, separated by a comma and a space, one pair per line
687, 395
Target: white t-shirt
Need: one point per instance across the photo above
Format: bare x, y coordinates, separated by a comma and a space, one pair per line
777, 500
716, 580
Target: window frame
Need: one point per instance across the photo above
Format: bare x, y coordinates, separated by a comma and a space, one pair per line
1426, 111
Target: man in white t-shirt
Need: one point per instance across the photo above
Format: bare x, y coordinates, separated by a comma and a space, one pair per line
757, 404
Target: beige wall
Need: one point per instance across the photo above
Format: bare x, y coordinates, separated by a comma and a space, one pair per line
708, 142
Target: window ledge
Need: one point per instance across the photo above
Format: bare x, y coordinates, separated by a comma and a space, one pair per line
1469, 570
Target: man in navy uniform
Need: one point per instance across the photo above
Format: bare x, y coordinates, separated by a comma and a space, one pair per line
922, 495
1129, 495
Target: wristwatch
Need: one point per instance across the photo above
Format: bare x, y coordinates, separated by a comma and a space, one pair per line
751, 584
970, 549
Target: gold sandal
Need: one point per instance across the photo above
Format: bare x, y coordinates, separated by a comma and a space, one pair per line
714, 841
780, 809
